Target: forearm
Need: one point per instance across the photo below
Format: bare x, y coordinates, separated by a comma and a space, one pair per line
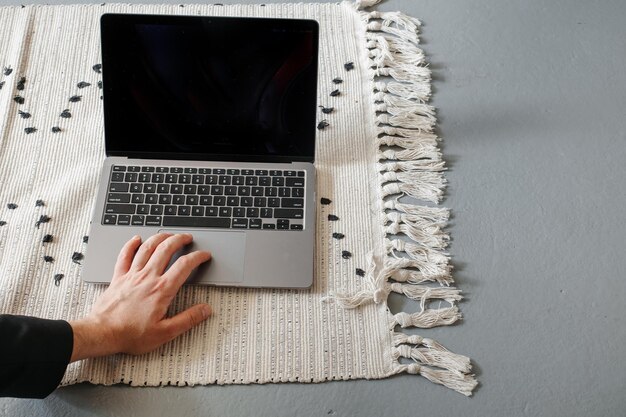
91, 339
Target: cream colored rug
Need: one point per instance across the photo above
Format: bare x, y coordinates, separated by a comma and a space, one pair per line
375, 144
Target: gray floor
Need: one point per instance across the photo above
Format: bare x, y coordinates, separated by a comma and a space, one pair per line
532, 106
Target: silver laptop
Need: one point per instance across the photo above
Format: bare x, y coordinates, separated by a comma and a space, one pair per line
210, 129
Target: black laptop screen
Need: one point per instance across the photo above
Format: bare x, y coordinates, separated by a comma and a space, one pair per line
209, 87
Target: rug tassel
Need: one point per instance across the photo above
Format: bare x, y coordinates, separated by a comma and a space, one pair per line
409, 134
417, 277
411, 166
435, 215
423, 185
414, 155
428, 318
423, 293
423, 232
462, 383
432, 357
416, 91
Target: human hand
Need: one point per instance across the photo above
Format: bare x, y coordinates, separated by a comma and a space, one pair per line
130, 316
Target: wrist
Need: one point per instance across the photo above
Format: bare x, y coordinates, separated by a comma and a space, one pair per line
91, 339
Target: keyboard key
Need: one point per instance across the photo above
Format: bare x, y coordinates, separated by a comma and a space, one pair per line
178, 199
257, 191
295, 182
138, 220
292, 202
284, 192
226, 211
206, 200
265, 181
118, 198
273, 202
120, 209
147, 169
224, 180
270, 226
123, 219
244, 191
163, 188
171, 178
297, 192
238, 180
283, 213
247, 201
232, 201
240, 224
143, 209
184, 210
156, 209
255, 223
197, 211
119, 168
133, 169
260, 202
296, 227
158, 178
252, 212
137, 198
230, 190
216, 222
184, 179
301, 173
252, 180
271, 191
210, 179
176, 170
153, 220
204, 171
266, 213
192, 200
247, 172
144, 177
217, 190
162, 169
219, 200
191, 189
149, 188
197, 179
152, 199
276, 173
259, 172
204, 190
191, 170
282, 224
130, 177
109, 219
232, 171
170, 210
165, 199
136, 188
176, 189
219, 171
290, 173
211, 211
239, 212
119, 187
117, 177
278, 182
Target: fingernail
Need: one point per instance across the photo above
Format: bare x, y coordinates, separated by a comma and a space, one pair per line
136, 237
206, 311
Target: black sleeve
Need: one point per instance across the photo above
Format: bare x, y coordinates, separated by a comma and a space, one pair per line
34, 354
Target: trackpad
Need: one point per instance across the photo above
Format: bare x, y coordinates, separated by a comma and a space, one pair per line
227, 249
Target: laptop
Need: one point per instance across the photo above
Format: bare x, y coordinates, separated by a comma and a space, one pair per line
210, 130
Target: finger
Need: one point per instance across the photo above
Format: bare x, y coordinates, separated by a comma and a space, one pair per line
166, 249
125, 258
180, 270
182, 322
146, 250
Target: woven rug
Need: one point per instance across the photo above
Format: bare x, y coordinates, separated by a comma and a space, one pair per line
375, 147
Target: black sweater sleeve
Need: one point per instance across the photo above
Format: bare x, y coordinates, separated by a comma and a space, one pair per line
34, 354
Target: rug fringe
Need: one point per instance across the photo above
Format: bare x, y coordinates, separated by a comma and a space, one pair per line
413, 261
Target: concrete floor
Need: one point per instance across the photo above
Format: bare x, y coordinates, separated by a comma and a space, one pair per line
531, 97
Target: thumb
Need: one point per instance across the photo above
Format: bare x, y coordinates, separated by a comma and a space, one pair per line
188, 319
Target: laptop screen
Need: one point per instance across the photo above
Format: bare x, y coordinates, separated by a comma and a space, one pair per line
209, 88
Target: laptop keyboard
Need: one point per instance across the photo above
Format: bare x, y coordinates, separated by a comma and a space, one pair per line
205, 197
